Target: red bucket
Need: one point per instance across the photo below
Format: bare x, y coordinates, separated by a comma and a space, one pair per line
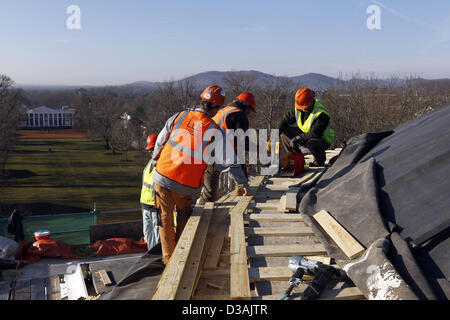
42, 235
299, 162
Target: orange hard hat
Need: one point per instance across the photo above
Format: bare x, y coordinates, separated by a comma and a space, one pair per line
151, 140
303, 98
214, 95
248, 99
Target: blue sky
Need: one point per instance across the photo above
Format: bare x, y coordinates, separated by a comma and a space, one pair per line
126, 41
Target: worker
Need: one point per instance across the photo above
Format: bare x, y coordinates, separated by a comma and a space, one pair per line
307, 125
151, 140
233, 116
179, 183
149, 213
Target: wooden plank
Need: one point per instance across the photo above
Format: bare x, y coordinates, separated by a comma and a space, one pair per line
274, 274
291, 199
216, 243
217, 273
274, 217
53, 288
269, 274
282, 204
211, 297
187, 282
343, 239
351, 293
104, 277
212, 257
298, 231
172, 275
271, 194
285, 250
324, 260
239, 282
265, 205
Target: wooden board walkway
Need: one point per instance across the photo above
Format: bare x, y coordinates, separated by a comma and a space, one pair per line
249, 241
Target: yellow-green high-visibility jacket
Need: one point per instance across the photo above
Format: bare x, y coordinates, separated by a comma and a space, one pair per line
147, 191
318, 108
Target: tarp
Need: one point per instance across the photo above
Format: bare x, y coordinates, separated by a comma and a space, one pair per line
141, 280
391, 191
30, 252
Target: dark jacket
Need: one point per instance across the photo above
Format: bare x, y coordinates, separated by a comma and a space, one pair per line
317, 129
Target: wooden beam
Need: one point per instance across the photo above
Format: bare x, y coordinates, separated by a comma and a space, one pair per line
274, 274
239, 282
216, 243
291, 199
343, 239
170, 280
285, 250
294, 231
352, 293
274, 217
104, 277
187, 282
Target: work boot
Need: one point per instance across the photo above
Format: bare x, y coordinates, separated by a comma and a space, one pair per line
316, 163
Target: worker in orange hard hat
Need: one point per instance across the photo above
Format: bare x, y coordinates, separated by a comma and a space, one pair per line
151, 141
306, 125
233, 116
178, 183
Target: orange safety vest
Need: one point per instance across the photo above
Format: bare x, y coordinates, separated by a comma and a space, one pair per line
221, 116
181, 158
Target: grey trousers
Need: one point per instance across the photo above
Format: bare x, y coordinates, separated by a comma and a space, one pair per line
150, 227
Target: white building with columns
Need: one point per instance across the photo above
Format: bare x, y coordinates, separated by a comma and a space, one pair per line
45, 117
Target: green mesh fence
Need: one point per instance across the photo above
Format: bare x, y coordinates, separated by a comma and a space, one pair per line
71, 228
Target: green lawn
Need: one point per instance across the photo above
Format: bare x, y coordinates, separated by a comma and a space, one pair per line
70, 178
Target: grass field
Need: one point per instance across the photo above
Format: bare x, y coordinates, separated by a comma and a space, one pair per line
50, 176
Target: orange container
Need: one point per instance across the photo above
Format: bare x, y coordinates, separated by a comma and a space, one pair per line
299, 162
42, 235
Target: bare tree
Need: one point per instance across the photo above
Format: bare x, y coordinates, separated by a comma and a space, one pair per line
273, 99
11, 112
171, 97
122, 134
237, 82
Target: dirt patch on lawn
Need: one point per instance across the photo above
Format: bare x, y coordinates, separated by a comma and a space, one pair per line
52, 134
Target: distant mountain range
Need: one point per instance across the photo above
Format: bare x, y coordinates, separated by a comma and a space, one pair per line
311, 80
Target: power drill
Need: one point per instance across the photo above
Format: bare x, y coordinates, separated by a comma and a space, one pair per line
322, 274
301, 266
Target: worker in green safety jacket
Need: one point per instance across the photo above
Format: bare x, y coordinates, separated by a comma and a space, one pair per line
149, 212
307, 125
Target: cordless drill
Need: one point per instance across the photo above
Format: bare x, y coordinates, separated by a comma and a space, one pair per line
322, 274
301, 266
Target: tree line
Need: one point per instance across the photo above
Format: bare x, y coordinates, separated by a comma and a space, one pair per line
122, 117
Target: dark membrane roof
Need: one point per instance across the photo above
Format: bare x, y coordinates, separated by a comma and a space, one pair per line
396, 181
